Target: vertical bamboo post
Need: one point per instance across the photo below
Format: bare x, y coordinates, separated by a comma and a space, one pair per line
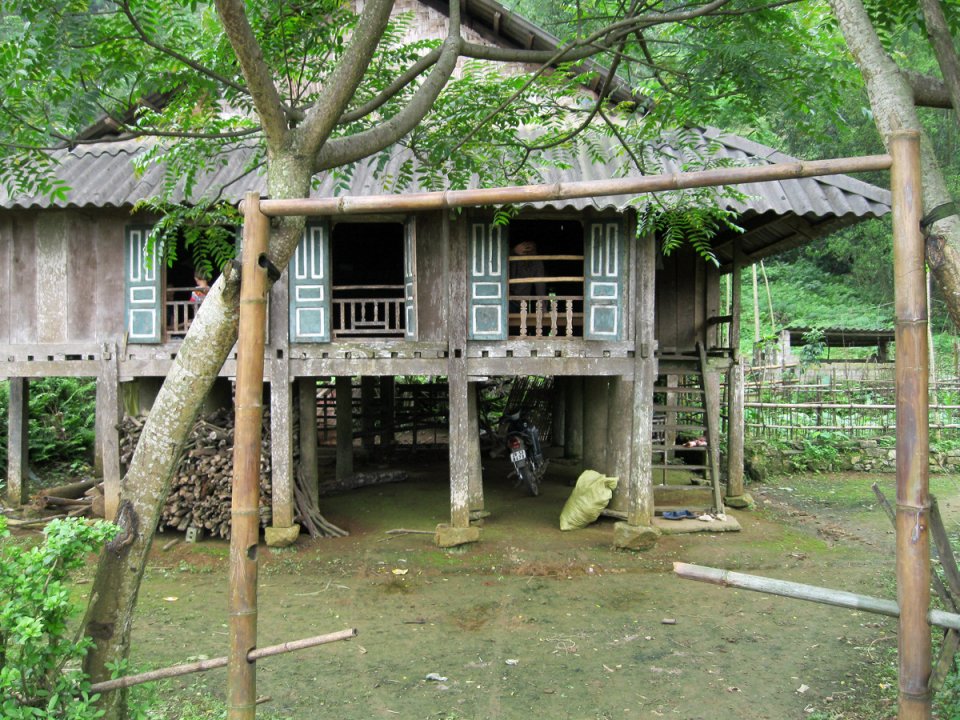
244, 520
913, 501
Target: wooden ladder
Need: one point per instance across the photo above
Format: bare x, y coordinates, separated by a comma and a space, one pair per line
685, 409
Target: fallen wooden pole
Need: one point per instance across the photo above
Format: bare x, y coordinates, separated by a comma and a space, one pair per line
812, 593
214, 663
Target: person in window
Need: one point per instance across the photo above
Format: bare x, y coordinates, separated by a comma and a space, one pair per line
202, 287
520, 269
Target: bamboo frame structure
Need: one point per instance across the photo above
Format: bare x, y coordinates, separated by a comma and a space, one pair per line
219, 662
245, 516
413, 202
913, 497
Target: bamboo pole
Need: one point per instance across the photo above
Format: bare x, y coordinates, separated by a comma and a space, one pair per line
913, 500
219, 662
811, 593
245, 516
410, 202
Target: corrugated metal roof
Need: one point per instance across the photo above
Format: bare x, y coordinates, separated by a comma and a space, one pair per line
102, 175
782, 214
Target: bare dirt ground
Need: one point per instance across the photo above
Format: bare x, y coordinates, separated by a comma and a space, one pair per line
532, 622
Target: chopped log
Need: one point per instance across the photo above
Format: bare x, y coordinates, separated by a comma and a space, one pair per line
71, 490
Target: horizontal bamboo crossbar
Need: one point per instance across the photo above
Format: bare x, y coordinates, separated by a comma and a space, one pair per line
800, 591
345, 205
214, 663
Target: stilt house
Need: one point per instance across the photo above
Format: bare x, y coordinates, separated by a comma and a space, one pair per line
637, 341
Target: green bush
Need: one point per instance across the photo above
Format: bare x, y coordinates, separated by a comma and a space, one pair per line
39, 659
61, 426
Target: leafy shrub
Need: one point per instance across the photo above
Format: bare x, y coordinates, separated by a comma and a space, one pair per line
61, 426
39, 673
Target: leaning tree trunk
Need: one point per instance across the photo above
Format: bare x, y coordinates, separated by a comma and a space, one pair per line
146, 485
892, 102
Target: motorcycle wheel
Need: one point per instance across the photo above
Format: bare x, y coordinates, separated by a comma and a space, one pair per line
527, 476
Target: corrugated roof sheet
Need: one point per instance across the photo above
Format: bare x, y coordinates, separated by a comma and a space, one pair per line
102, 175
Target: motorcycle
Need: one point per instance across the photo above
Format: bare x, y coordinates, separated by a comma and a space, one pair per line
522, 440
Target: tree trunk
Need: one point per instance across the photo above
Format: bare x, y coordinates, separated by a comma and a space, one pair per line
145, 487
892, 102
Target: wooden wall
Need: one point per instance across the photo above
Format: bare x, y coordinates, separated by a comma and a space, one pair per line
687, 294
431, 279
61, 276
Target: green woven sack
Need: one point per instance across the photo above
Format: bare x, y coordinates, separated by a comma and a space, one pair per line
587, 501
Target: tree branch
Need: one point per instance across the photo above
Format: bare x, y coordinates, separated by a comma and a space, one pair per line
259, 79
193, 64
943, 48
356, 147
928, 91
342, 83
412, 73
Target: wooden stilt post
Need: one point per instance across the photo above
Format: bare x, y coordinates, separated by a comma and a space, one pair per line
457, 380
387, 394
475, 479
107, 423
307, 403
595, 424
245, 517
736, 496
18, 445
644, 376
282, 406
344, 387
368, 419
573, 426
913, 499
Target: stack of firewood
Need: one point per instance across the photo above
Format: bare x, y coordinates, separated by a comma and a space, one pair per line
200, 489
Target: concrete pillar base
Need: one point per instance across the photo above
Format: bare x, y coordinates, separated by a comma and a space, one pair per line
281, 536
449, 536
634, 537
739, 501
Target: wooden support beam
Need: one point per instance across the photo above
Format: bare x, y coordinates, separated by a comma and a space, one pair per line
18, 442
644, 375
595, 418
735, 388
573, 425
387, 402
457, 380
307, 404
282, 406
344, 390
368, 420
107, 423
474, 464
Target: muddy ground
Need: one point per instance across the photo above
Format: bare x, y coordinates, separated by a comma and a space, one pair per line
532, 622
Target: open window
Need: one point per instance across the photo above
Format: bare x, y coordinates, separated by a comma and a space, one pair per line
546, 276
356, 281
162, 298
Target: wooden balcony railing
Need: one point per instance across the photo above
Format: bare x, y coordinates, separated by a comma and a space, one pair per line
180, 312
552, 316
377, 311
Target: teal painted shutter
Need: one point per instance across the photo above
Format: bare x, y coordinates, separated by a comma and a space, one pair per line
309, 286
605, 274
410, 279
487, 282
143, 304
